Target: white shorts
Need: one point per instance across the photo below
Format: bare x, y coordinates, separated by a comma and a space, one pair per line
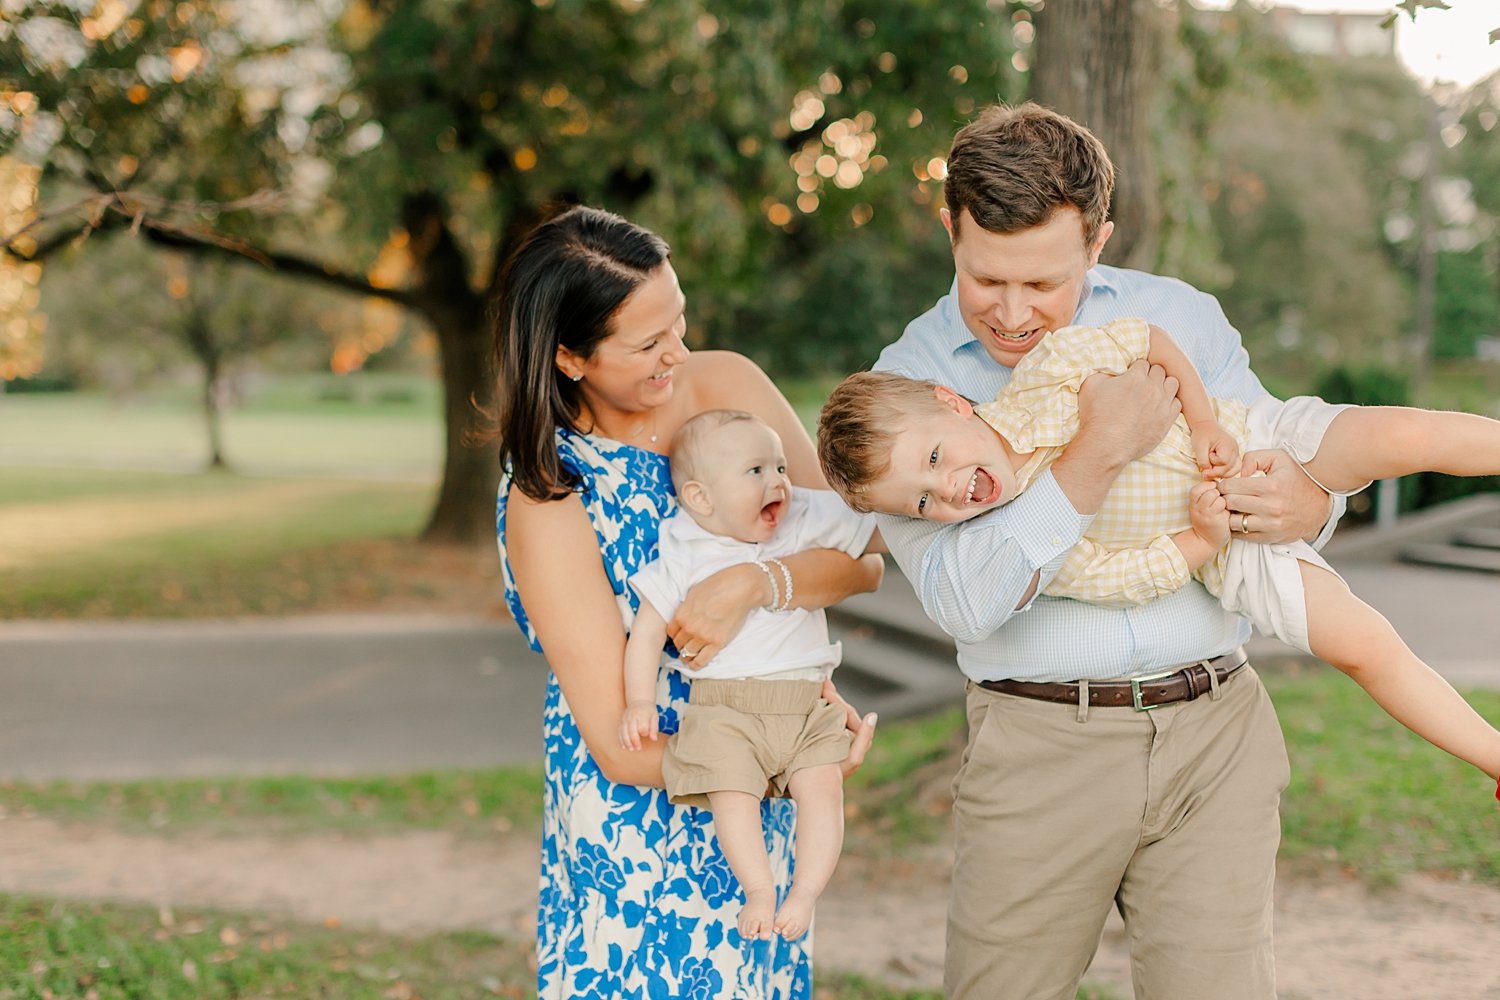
1263, 582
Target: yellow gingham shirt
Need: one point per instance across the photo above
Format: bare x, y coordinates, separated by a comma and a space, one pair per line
1127, 556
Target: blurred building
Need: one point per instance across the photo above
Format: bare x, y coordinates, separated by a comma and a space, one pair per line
1335, 33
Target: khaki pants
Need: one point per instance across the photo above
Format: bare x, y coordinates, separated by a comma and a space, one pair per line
1171, 814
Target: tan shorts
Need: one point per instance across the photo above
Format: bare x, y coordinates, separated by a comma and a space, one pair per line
743, 735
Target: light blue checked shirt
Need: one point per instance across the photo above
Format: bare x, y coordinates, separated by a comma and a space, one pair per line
971, 575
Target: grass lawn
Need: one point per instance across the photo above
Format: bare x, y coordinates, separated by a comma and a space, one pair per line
66, 949
1370, 798
464, 802
316, 425
110, 544
51, 948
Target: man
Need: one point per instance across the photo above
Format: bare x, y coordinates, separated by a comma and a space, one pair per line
1080, 787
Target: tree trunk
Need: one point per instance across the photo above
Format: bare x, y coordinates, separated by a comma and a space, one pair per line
212, 412
465, 510
1097, 61
197, 330
464, 513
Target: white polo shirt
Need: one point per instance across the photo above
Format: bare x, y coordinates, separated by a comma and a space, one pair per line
770, 642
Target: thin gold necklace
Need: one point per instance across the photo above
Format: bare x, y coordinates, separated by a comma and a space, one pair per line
649, 422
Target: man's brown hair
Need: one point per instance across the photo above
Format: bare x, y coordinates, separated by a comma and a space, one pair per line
858, 426
1012, 167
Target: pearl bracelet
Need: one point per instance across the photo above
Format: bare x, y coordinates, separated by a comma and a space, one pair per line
775, 600
786, 596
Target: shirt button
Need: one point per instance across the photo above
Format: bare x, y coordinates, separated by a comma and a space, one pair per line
1056, 540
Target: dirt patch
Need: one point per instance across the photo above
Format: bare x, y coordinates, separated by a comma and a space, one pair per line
403, 575
1334, 937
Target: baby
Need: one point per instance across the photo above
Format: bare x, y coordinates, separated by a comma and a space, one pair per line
901, 446
756, 717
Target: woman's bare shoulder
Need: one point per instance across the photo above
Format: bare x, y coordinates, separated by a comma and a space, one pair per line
728, 379
725, 364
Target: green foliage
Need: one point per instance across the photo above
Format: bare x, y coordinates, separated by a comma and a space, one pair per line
686, 115
1215, 57
1364, 387
1468, 302
1308, 184
1381, 387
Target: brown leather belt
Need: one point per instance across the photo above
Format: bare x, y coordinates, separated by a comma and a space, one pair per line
1141, 693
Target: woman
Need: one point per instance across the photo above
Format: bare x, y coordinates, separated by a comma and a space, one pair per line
636, 897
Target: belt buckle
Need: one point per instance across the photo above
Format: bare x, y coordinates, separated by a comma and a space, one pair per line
1135, 688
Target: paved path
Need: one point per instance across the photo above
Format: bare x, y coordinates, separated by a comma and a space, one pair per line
368, 694
325, 695
331, 695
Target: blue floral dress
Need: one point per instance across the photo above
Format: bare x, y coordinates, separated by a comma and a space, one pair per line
637, 900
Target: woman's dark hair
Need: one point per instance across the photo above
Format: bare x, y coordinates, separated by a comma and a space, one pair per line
562, 286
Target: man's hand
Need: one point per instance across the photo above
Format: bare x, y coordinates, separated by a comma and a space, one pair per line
1278, 500
1128, 414
1120, 418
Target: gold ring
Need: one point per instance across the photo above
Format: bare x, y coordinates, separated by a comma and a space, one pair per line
1244, 524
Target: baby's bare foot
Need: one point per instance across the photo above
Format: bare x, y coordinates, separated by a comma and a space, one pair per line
755, 916
794, 917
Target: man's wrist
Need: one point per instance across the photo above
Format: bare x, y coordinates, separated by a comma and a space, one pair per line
1322, 526
1093, 453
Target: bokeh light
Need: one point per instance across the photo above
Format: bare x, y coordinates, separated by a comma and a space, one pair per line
21, 324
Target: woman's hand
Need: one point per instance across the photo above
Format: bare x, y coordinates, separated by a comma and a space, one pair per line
862, 728
714, 612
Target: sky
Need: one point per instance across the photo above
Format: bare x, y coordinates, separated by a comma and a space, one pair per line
1449, 45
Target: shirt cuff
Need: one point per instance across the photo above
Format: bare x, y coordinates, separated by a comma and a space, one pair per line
1340, 504
1045, 524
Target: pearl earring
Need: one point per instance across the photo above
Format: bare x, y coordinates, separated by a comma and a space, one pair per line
577, 378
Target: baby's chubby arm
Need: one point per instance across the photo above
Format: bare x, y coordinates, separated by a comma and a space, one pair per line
1215, 449
642, 662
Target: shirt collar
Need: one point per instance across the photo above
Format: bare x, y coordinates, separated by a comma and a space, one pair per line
955, 332
685, 529
1099, 280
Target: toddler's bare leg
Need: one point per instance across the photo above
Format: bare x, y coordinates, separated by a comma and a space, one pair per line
1357, 639
819, 794
1382, 442
737, 822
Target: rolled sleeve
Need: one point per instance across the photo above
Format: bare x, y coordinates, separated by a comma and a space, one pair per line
1120, 578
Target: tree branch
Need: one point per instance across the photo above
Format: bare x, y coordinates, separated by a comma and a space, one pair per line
115, 210
282, 263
